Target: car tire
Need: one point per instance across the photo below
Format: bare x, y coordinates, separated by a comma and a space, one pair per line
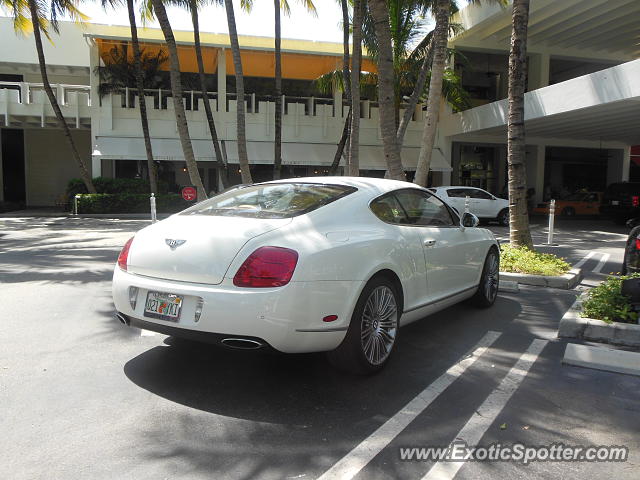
503, 217
487, 291
568, 212
363, 353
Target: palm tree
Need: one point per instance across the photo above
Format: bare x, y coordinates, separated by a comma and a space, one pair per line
243, 158
356, 62
386, 90
176, 92
343, 143
277, 152
37, 11
442, 12
222, 166
519, 233
139, 76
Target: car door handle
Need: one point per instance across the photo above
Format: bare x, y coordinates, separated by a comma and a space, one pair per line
429, 243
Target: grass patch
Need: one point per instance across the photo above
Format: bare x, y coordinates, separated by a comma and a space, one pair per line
524, 260
606, 302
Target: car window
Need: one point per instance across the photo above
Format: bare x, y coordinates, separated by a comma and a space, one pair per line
270, 200
422, 208
481, 194
593, 197
458, 192
388, 209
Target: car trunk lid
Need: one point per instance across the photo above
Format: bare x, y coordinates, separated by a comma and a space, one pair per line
194, 248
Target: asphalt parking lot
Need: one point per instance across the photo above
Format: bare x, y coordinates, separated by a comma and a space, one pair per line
84, 397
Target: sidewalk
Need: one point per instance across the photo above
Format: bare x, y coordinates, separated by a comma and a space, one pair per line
52, 213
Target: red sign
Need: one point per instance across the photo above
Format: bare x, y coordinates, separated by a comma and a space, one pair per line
189, 194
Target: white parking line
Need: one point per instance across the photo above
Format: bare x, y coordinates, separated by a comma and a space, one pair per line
147, 333
482, 418
601, 263
362, 454
584, 260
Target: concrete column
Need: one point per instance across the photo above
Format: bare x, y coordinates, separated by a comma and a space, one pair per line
222, 80
535, 170
337, 104
626, 163
618, 165
94, 99
538, 70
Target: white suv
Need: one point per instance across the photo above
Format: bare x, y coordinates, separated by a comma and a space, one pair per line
481, 203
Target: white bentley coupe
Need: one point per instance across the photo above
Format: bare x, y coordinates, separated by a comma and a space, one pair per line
334, 264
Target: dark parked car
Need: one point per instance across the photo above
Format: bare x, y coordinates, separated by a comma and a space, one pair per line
621, 202
631, 262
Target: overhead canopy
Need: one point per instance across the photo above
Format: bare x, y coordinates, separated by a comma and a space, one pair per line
603, 105
320, 154
597, 26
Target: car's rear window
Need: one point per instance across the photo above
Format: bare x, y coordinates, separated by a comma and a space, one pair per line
271, 200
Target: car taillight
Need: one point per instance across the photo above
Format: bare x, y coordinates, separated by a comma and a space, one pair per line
267, 267
637, 243
635, 200
124, 255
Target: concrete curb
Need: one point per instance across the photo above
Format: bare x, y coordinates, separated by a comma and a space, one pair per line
602, 358
573, 325
115, 216
565, 282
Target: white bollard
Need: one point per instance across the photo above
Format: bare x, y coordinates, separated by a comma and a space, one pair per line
152, 200
552, 216
466, 204
75, 204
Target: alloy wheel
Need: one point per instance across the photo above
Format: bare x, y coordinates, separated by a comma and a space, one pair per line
492, 277
379, 325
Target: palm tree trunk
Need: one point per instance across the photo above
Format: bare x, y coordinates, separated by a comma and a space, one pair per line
277, 144
222, 166
356, 60
62, 123
519, 233
151, 166
435, 91
341, 145
386, 89
243, 158
178, 105
345, 45
415, 95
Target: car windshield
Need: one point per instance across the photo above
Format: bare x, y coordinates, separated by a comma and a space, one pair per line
576, 197
271, 200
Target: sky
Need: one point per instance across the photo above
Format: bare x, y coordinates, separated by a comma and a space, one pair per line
300, 25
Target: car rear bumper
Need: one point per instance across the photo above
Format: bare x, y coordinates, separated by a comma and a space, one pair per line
288, 318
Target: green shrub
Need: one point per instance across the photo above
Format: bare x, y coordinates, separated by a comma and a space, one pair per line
524, 260
130, 203
607, 303
115, 186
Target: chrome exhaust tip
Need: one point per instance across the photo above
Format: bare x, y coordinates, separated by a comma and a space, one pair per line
241, 343
122, 319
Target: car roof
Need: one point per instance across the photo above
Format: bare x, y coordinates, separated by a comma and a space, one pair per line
369, 184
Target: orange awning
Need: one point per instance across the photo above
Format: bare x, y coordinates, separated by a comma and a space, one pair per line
255, 63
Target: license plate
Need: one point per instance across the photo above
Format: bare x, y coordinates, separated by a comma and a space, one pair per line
615, 202
164, 306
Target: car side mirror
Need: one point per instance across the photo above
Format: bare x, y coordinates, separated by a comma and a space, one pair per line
468, 220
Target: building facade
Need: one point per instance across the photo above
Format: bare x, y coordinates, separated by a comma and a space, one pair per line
582, 105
